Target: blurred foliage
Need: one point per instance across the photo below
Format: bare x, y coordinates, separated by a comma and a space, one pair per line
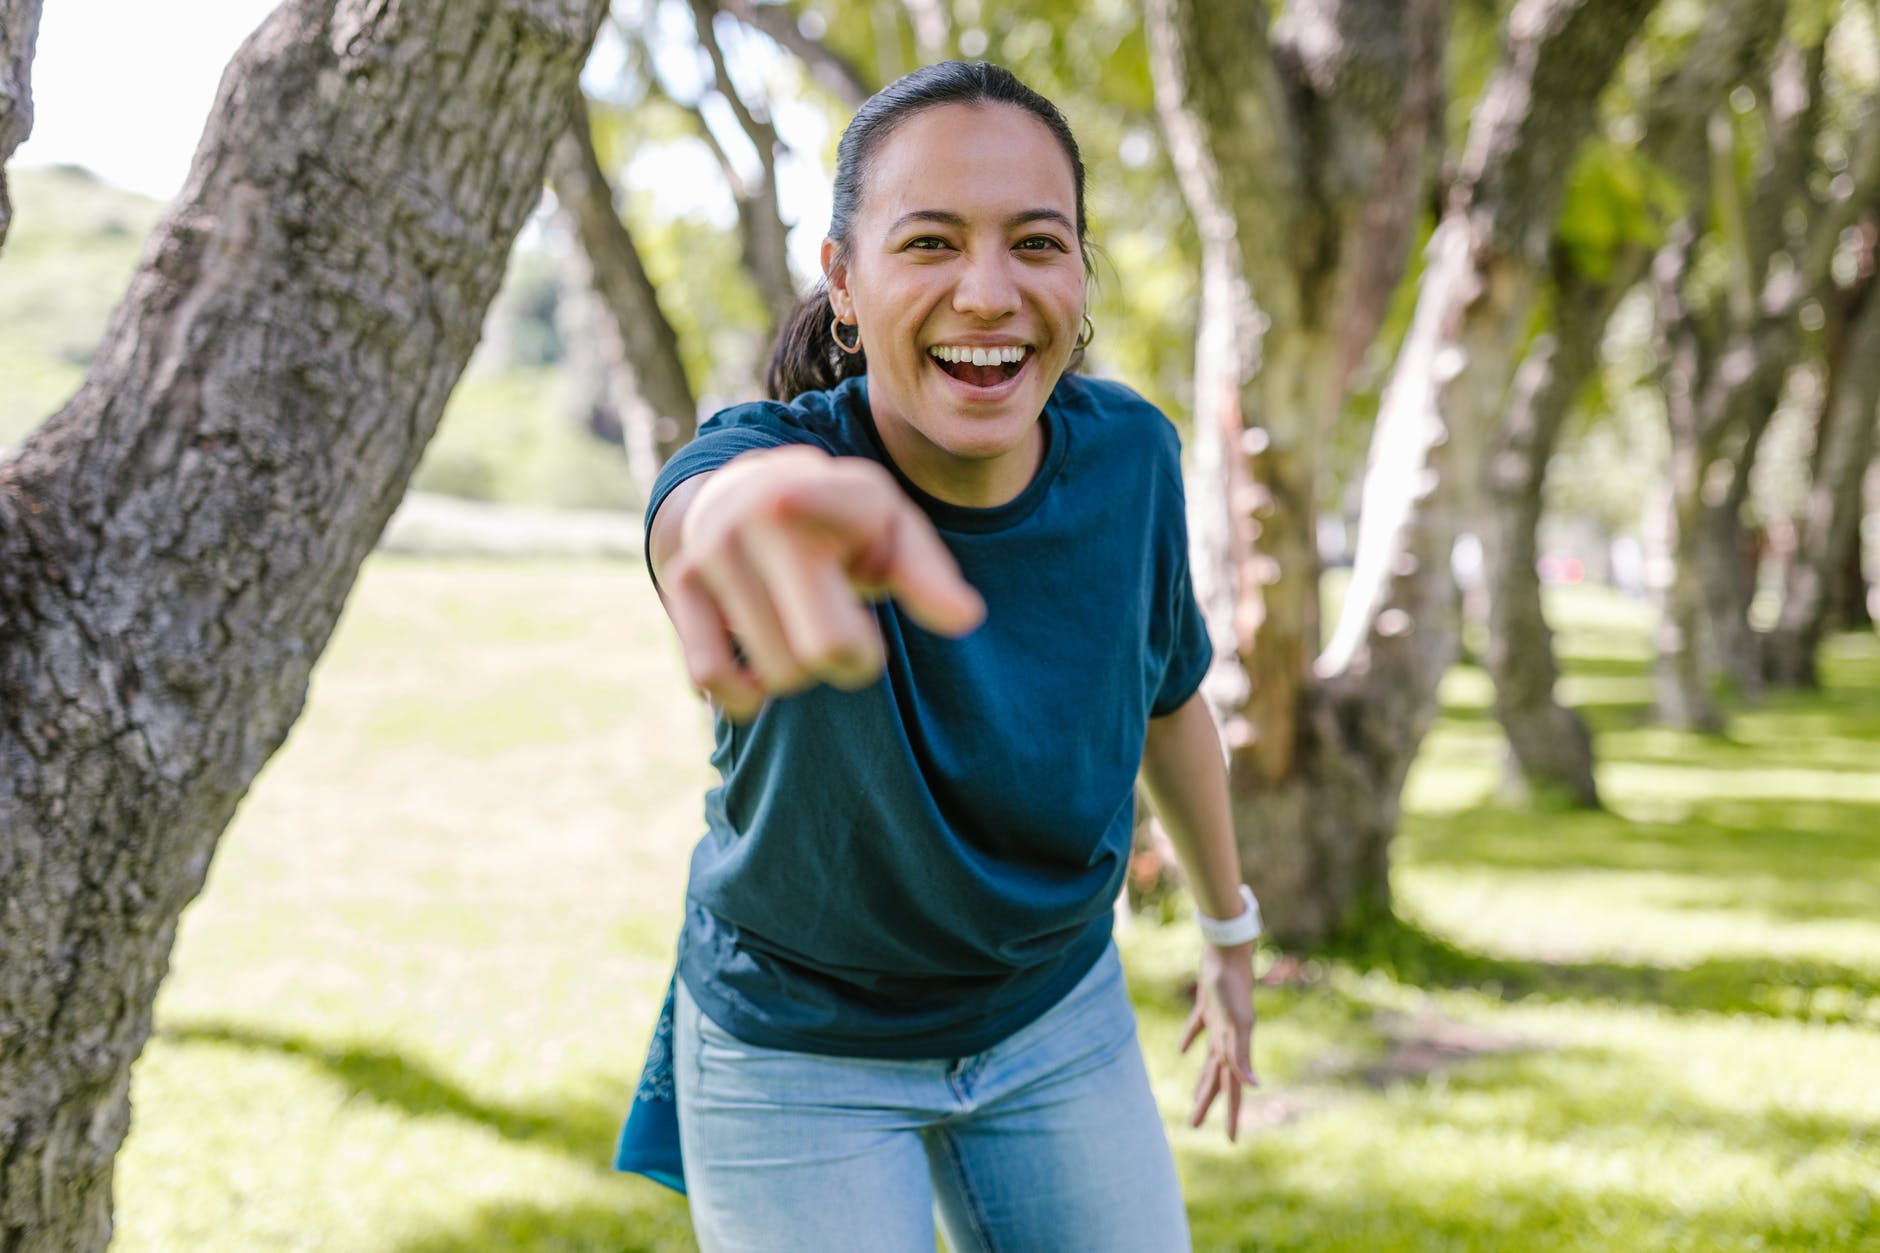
518, 431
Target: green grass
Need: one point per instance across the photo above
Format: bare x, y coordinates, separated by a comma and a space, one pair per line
409, 1008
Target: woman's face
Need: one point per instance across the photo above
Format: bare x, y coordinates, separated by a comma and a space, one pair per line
964, 243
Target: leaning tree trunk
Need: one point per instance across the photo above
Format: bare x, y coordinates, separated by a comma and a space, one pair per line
176, 544
1830, 529
19, 32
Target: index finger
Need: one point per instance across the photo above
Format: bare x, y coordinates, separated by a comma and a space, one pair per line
895, 549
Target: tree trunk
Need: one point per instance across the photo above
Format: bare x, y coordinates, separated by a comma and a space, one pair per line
19, 33
648, 346
1726, 345
1719, 398
1292, 151
176, 544
1550, 745
1830, 528
1853, 601
1451, 441
1337, 180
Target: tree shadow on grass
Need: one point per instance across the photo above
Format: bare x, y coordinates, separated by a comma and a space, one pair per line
1798, 860
1263, 1201
1804, 991
583, 1128
648, 1218
642, 1224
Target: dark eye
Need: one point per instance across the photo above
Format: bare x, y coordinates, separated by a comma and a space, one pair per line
927, 243
1040, 243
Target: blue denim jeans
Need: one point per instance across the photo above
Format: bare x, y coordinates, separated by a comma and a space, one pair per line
1048, 1140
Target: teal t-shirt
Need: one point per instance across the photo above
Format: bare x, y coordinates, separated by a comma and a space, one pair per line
920, 868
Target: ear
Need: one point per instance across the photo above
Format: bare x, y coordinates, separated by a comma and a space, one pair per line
841, 302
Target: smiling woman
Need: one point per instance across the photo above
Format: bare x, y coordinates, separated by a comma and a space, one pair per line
937, 589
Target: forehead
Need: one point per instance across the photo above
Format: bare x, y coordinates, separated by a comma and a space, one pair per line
973, 160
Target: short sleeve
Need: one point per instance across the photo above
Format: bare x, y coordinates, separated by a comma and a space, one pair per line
726, 434
1190, 649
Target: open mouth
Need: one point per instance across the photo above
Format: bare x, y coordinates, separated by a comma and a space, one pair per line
981, 367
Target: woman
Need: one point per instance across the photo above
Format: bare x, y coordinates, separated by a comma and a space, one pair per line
937, 591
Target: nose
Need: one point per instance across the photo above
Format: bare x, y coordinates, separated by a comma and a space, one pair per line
987, 287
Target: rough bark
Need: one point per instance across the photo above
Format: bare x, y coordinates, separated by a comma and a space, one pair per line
1549, 744
642, 341
19, 34
1830, 525
1398, 631
177, 542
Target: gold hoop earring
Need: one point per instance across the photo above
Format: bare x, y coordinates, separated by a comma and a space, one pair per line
1088, 333
835, 332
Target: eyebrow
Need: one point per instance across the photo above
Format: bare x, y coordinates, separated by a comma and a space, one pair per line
945, 218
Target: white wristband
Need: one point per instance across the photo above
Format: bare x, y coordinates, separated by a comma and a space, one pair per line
1228, 932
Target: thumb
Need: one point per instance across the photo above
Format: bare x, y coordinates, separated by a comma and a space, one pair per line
892, 549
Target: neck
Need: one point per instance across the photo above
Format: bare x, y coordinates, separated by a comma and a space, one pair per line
970, 483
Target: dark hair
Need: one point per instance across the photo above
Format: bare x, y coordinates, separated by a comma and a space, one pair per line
805, 358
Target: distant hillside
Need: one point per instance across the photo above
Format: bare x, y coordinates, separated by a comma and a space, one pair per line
69, 255
517, 427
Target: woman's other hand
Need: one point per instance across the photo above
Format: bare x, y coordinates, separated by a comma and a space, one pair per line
1224, 1014
781, 550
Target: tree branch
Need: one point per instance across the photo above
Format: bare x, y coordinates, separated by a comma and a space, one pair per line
837, 74
760, 212
19, 35
647, 338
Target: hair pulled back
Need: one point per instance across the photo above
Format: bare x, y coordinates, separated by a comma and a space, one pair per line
805, 357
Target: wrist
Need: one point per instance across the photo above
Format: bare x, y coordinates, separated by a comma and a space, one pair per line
1241, 929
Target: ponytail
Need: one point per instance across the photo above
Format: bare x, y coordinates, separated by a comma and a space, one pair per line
805, 357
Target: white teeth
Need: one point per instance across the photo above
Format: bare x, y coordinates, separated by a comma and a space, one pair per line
1007, 355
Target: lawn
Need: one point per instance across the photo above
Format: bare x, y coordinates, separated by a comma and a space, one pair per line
408, 1010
